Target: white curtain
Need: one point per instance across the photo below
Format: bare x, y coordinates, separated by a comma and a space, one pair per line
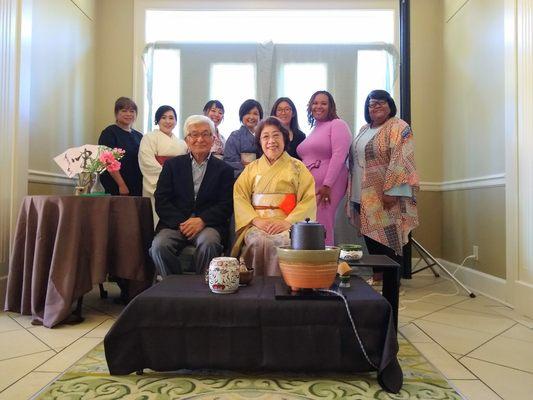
196, 60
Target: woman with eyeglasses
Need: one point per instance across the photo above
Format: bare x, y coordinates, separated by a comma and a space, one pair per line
324, 153
285, 110
270, 195
383, 178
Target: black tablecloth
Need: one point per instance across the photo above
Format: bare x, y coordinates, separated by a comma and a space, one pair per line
179, 323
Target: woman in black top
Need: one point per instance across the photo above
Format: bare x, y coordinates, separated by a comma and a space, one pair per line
127, 181
285, 110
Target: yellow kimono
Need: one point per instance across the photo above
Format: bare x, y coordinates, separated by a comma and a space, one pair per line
284, 190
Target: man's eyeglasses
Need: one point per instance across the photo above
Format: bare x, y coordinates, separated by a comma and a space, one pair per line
198, 135
377, 103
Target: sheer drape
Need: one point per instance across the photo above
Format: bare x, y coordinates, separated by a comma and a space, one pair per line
195, 60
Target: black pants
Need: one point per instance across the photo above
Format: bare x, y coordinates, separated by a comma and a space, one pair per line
378, 248
375, 247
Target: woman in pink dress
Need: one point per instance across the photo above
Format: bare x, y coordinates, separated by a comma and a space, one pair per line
324, 153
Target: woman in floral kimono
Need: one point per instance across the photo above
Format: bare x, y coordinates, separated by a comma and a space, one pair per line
383, 178
272, 193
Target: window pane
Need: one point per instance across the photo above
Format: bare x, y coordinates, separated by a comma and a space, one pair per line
165, 86
291, 26
374, 71
222, 87
294, 83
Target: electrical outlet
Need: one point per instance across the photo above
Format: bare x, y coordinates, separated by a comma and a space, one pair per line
475, 251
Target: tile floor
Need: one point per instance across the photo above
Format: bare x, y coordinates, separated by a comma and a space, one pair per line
481, 346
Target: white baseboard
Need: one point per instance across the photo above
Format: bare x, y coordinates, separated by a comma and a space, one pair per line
479, 282
3, 290
523, 297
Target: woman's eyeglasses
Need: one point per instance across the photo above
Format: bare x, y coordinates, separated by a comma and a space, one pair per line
377, 103
284, 110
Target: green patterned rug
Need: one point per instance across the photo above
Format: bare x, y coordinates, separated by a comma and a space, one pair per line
89, 379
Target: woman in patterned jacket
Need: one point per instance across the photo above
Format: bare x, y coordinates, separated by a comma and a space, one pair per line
383, 178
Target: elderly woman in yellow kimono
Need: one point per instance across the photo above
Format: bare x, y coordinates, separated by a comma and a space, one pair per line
271, 194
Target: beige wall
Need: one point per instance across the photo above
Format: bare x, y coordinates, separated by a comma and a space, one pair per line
429, 232
473, 131
426, 115
426, 86
475, 217
473, 124
457, 88
62, 80
114, 64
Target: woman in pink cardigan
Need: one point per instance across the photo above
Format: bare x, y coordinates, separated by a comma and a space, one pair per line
324, 153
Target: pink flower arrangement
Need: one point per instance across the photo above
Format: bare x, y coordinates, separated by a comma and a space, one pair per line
106, 160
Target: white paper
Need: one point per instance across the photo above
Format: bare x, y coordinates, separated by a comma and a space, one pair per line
74, 159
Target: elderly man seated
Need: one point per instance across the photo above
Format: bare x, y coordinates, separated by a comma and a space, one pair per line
193, 200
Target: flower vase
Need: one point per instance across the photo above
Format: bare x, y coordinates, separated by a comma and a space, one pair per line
85, 181
97, 187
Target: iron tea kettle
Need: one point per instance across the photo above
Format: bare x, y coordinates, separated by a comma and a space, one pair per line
308, 235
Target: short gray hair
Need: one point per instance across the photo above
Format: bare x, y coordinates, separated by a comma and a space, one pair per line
197, 119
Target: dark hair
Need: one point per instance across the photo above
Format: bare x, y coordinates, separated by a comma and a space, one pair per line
247, 106
270, 121
161, 110
294, 120
332, 109
379, 95
125, 103
212, 103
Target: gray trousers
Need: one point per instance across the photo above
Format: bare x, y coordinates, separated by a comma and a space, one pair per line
169, 243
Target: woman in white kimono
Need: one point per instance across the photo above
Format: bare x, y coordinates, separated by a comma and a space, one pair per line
156, 147
272, 193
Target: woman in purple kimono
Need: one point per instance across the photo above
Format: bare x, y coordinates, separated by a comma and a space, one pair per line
324, 153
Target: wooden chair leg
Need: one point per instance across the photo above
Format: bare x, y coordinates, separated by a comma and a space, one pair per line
103, 292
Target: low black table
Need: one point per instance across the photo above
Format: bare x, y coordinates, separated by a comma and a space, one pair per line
391, 278
179, 323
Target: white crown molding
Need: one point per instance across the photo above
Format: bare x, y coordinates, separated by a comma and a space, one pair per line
50, 178
462, 184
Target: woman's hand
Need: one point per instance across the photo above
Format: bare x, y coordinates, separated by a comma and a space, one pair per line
261, 223
389, 201
278, 226
123, 190
122, 187
271, 226
324, 195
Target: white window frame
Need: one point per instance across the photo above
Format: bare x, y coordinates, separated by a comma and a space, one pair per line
141, 6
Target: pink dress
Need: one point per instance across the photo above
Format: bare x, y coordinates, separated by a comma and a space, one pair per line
324, 153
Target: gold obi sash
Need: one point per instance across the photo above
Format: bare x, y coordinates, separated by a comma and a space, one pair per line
274, 205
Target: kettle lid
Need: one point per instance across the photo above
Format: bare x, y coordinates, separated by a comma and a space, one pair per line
308, 222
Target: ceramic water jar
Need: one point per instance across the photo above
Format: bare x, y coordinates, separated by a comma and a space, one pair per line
224, 275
